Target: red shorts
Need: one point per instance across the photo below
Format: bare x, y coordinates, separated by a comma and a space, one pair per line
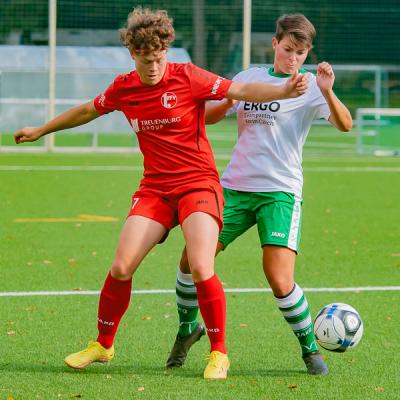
173, 207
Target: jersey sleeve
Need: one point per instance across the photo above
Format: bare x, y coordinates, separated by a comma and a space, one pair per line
206, 85
107, 101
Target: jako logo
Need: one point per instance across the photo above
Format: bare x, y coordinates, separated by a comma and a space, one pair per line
216, 85
108, 323
169, 100
278, 234
102, 100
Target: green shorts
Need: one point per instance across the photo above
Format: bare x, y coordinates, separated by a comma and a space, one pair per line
277, 215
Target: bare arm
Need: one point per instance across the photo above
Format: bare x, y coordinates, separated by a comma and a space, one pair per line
340, 116
264, 92
215, 110
255, 92
73, 117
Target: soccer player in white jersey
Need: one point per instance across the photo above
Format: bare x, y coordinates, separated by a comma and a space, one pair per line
263, 183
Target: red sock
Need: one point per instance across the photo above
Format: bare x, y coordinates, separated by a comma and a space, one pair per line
212, 304
114, 301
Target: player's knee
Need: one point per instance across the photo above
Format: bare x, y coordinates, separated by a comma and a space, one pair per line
121, 270
280, 286
201, 271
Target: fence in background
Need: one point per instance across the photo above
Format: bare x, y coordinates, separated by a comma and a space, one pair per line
358, 38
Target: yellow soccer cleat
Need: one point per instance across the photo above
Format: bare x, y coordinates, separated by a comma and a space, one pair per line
95, 352
218, 366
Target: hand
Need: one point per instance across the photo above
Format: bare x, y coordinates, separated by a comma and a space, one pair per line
325, 77
27, 134
296, 85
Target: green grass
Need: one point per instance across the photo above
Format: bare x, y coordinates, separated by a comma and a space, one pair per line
350, 238
263, 353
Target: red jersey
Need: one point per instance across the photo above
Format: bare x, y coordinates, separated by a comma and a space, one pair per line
168, 119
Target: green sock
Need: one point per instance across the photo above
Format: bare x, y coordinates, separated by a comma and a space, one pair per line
186, 301
295, 310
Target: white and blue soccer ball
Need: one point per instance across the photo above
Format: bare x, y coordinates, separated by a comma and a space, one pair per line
338, 327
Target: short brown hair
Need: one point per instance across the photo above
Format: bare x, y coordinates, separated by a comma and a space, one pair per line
297, 27
147, 30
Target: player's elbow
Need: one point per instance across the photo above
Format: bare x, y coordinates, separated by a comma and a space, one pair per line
344, 129
347, 126
342, 124
210, 121
213, 119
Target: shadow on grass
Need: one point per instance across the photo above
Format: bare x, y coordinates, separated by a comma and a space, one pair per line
287, 373
238, 372
96, 369
99, 369
137, 369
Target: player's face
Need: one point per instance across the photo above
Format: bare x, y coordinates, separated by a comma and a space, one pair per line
289, 56
150, 66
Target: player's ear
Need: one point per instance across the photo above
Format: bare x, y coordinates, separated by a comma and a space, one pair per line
274, 42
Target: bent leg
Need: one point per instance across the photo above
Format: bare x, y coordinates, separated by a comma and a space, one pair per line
190, 330
186, 295
201, 233
278, 263
237, 219
139, 235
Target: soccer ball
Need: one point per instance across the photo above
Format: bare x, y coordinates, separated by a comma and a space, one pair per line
338, 327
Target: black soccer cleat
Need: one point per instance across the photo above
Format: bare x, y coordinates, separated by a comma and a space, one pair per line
315, 363
182, 346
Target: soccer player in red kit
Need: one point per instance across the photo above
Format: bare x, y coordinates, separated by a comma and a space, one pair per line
165, 104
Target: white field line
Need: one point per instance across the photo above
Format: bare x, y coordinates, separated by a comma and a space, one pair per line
70, 168
170, 291
358, 160
330, 145
140, 168
352, 169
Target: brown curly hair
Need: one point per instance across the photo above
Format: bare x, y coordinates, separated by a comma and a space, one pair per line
299, 29
147, 30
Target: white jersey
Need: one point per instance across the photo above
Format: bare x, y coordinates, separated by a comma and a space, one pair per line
268, 154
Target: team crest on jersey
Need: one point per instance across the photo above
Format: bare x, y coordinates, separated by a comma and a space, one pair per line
135, 124
169, 100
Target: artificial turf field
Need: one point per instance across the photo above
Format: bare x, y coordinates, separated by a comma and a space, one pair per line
350, 239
